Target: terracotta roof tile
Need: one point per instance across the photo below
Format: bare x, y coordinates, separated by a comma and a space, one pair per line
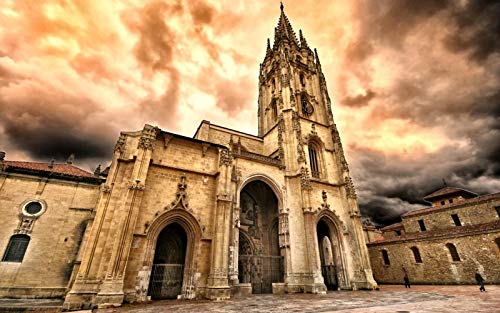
448, 191
451, 205
442, 233
58, 168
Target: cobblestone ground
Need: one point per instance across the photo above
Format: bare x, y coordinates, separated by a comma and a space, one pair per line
388, 299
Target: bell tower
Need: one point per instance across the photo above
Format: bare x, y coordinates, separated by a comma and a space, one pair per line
292, 87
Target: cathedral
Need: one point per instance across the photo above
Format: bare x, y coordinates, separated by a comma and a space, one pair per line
220, 214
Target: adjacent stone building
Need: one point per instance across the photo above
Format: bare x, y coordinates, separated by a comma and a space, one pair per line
45, 209
223, 212
442, 244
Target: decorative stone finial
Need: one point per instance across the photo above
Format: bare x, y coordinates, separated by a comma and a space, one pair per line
70, 159
281, 5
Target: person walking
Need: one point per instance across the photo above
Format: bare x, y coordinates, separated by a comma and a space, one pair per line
480, 281
407, 281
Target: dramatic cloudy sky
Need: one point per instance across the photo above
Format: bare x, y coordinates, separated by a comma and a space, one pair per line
415, 84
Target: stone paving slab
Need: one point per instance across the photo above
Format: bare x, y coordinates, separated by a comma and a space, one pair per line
389, 299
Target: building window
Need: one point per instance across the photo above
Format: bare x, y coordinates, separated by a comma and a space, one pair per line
456, 220
398, 232
450, 200
416, 254
497, 241
443, 203
497, 208
275, 110
16, 248
422, 225
313, 160
453, 252
302, 80
385, 257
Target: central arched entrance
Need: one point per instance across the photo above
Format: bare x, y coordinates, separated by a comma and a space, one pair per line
168, 263
260, 262
328, 254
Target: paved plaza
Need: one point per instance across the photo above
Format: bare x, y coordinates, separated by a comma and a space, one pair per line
388, 299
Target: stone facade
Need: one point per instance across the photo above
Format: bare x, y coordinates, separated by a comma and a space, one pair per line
226, 212
457, 236
67, 197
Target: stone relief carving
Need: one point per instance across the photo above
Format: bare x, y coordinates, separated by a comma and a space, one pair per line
120, 144
181, 196
145, 143
298, 135
225, 157
305, 180
137, 185
105, 188
166, 140
324, 205
281, 129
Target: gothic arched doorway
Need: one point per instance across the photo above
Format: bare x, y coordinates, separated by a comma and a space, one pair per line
328, 254
259, 259
168, 263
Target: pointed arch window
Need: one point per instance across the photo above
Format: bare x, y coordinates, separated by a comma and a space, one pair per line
302, 80
16, 248
274, 108
453, 252
416, 254
314, 160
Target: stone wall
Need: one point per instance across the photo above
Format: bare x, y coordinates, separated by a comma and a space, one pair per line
477, 253
55, 235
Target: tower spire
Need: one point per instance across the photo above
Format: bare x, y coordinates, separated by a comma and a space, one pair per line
268, 49
303, 42
284, 29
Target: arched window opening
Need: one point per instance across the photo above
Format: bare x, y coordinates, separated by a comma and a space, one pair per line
453, 252
497, 241
416, 254
16, 248
275, 110
385, 257
273, 84
313, 160
302, 80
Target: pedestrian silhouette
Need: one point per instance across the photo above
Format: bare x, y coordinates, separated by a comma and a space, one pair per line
480, 281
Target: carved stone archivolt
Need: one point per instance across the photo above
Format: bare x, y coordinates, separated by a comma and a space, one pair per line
181, 202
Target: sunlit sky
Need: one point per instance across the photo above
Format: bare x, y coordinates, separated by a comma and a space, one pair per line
414, 84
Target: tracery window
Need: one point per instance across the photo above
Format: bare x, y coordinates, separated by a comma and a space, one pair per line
416, 254
16, 248
453, 252
314, 160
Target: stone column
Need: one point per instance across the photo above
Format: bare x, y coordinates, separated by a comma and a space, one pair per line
218, 285
315, 282
111, 289
86, 284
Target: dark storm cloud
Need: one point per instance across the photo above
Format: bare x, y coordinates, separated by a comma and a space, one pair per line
461, 99
49, 125
359, 100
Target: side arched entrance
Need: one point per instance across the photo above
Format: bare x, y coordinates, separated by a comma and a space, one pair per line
260, 261
167, 272
331, 255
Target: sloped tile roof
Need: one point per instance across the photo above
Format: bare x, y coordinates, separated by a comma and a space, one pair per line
448, 191
441, 233
393, 227
61, 170
454, 204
